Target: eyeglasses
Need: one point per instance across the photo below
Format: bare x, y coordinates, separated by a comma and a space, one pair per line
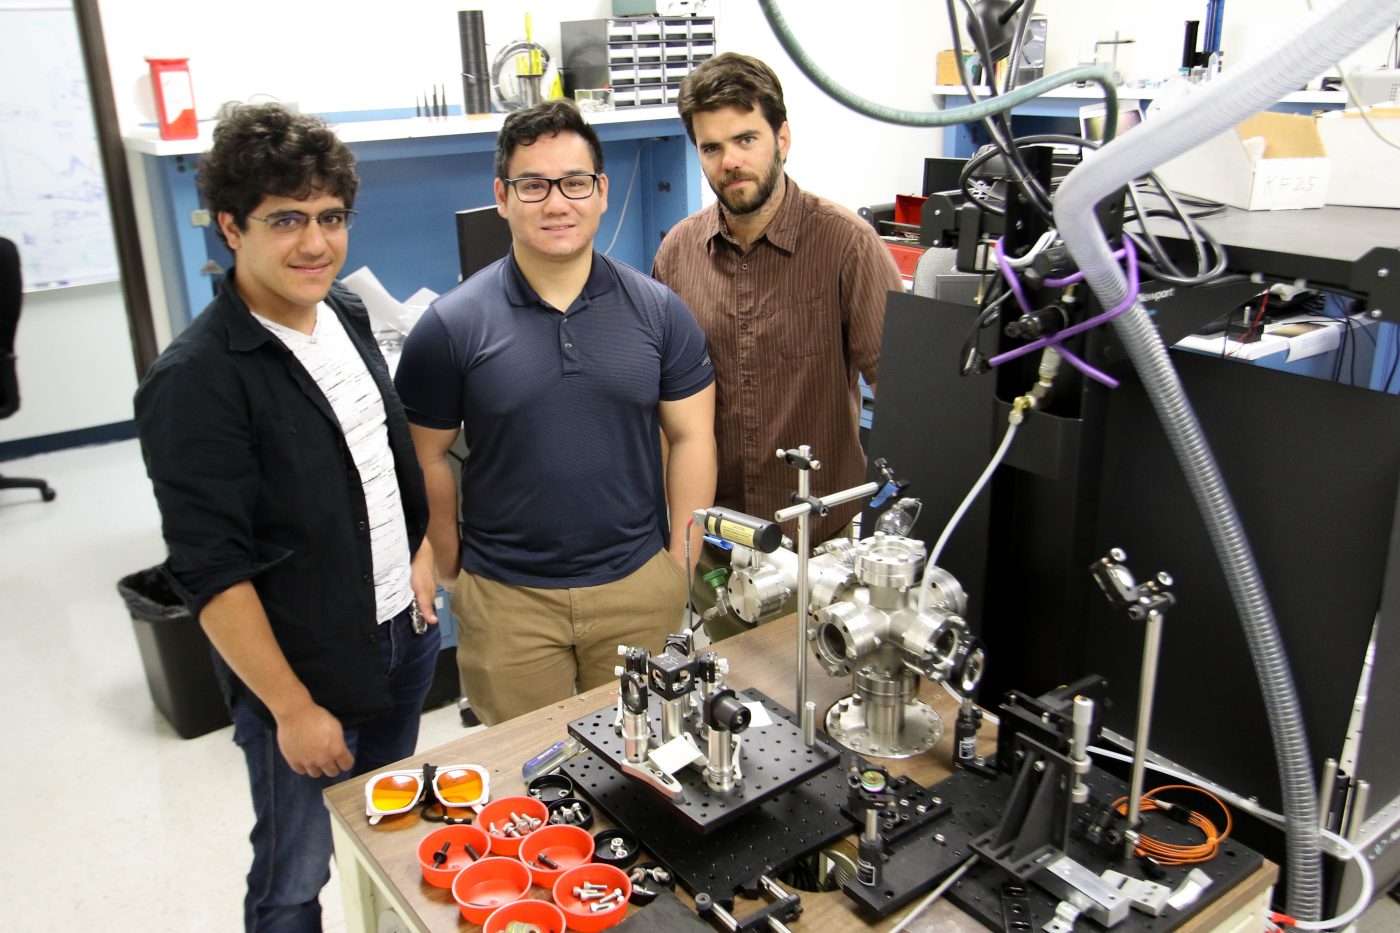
573, 187
288, 222
399, 791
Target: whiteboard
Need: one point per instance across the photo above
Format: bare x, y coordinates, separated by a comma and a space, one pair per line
53, 200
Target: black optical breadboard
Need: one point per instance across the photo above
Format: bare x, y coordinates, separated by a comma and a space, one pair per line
773, 758
774, 834
975, 803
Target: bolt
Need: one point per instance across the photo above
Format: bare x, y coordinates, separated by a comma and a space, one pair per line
940, 839
1376, 313
921, 809
546, 861
618, 846
1382, 273
904, 801
594, 886
936, 801
588, 895
599, 906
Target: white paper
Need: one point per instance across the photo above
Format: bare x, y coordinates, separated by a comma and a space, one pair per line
384, 310
674, 755
760, 717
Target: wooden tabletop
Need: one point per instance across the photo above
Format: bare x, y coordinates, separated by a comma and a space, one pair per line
763, 658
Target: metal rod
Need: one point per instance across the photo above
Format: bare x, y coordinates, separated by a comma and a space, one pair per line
809, 722
1324, 793
1356, 813
935, 894
804, 550
1147, 686
836, 498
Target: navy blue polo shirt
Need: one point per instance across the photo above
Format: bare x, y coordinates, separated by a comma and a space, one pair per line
562, 483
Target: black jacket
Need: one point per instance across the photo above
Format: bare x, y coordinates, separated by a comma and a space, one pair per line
255, 482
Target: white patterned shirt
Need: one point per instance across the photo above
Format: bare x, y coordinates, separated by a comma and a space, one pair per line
339, 371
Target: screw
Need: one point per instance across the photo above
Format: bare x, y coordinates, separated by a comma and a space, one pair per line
1376, 313
546, 861
921, 809
939, 838
1382, 273
618, 846
599, 906
597, 886
588, 895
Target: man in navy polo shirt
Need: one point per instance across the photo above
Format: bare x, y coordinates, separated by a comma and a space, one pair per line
564, 368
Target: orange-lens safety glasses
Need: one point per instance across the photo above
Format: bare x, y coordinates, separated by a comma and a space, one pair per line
399, 791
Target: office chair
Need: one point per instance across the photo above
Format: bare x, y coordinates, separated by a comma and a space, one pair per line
11, 294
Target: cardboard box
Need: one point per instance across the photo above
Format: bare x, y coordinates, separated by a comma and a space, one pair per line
1270, 162
1365, 170
947, 75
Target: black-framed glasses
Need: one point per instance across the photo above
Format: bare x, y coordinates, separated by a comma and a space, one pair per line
288, 222
574, 187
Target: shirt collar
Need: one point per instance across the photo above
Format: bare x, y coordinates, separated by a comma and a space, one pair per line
782, 230
520, 293
244, 331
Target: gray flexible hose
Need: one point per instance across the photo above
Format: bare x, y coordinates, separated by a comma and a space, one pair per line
979, 111
1310, 47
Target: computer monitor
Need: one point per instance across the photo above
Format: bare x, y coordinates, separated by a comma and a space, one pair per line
1091, 120
483, 236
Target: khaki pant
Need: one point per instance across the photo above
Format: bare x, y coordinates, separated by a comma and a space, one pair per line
520, 648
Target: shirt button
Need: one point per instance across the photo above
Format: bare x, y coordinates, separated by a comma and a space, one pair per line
366, 577
361, 526
744, 266
568, 346
743, 325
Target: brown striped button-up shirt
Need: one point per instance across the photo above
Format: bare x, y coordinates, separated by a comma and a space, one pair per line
791, 322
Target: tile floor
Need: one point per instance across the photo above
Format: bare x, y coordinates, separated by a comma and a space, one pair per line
112, 821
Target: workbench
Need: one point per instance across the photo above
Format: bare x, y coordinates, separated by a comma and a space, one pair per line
379, 869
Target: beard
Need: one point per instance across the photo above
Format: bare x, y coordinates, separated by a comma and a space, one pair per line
739, 204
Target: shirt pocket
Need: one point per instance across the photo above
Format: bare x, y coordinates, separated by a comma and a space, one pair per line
805, 329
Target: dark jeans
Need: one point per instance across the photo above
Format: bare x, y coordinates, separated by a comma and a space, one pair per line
292, 836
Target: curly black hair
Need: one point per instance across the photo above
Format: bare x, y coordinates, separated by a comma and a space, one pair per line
264, 149
523, 127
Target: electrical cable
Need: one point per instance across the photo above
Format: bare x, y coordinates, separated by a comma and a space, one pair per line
998, 129
957, 115
972, 494
1341, 846
1168, 853
631, 183
1012, 60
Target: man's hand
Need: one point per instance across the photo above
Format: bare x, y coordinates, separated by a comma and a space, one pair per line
424, 582
313, 742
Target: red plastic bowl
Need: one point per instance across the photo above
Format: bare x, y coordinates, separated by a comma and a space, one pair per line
543, 914
566, 846
483, 886
457, 838
499, 811
576, 912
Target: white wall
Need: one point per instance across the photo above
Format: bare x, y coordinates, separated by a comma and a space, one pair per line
1250, 27
888, 57
75, 365
326, 57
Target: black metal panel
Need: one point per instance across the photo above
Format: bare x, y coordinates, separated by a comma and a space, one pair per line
1312, 468
976, 805
777, 759
773, 835
1379, 758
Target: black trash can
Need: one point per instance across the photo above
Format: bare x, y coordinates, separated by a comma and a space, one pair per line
176, 654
